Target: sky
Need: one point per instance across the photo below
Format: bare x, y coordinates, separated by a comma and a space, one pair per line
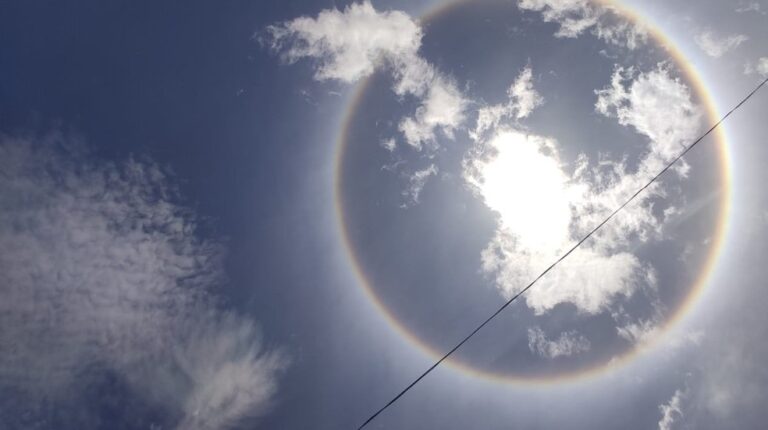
260, 214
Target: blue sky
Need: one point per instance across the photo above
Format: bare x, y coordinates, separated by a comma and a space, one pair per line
173, 256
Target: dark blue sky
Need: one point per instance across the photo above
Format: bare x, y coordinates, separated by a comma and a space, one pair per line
194, 92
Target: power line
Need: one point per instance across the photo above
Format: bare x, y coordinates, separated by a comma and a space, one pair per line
564, 256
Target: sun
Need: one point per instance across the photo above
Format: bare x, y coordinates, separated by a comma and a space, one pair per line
521, 179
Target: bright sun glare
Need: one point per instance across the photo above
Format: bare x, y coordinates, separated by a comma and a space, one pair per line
528, 189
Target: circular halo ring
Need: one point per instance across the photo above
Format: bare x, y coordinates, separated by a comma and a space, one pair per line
718, 239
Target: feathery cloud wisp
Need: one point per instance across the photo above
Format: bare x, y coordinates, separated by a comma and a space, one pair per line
715, 46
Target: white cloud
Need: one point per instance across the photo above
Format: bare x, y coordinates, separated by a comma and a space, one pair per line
523, 99
639, 332
574, 16
761, 67
645, 330
588, 279
656, 105
715, 46
671, 412
522, 94
569, 343
353, 43
442, 109
414, 75
577, 16
233, 377
660, 107
416, 183
100, 268
751, 6
488, 118
389, 144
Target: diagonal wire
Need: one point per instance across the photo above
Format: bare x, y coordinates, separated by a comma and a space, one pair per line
564, 256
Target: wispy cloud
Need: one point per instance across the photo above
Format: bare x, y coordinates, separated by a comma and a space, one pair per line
671, 412
639, 331
760, 67
100, 268
389, 144
416, 184
578, 16
715, 45
569, 343
751, 6
442, 109
522, 100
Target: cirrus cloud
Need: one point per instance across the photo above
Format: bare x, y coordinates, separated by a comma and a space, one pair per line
102, 271
715, 46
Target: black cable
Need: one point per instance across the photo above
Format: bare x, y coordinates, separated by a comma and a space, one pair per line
564, 256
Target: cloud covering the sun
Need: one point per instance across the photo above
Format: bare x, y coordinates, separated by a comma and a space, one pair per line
507, 160
101, 271
543, 210
519, 176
